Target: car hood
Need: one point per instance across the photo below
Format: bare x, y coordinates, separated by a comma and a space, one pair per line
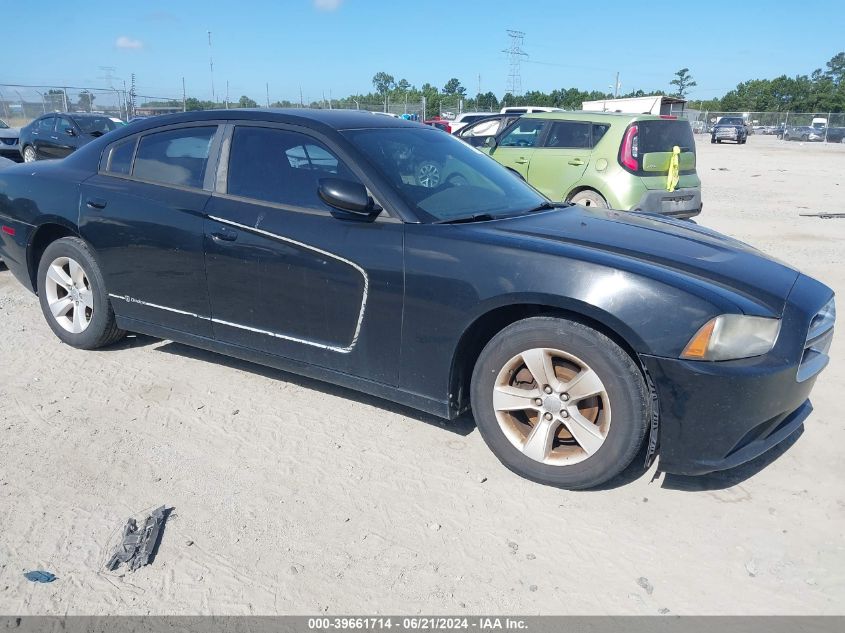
678, 246
12, 132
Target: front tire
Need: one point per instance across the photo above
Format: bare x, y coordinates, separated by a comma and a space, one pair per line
29, 155
73, 296
560, 403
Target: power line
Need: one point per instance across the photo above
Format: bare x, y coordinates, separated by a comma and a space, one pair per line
515, 57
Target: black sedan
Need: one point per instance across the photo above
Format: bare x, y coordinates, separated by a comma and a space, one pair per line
303, 240
57, 135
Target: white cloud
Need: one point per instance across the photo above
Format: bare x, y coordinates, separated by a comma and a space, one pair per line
327, 5
128, 42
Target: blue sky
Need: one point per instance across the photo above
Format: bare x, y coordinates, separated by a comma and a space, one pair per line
335, 46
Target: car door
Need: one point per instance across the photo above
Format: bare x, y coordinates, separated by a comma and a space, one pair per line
562, 159
518, 144
143, 214
285, 275
65, 137
42, 133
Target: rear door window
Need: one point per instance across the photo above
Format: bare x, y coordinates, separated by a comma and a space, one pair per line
599, 130
569, 134
47, 124
177, 157
120, 158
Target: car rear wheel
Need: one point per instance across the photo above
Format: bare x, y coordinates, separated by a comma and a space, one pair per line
560, 403
429, 174
29, 155
73, 298
589, 198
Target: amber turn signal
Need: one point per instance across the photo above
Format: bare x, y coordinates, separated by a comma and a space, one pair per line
697, 347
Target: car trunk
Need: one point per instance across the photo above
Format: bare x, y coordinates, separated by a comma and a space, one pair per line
656, 141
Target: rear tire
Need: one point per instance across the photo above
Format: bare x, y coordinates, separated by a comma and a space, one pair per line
589, 198
568, 439
73, 296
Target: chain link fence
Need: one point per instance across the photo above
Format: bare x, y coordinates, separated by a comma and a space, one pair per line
791, 126
20, 104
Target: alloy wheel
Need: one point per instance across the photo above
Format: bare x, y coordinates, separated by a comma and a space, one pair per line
69, 295
428, 175
29, 154
552, 406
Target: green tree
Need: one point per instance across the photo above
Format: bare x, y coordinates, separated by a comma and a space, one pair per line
836, 68
85, 101
454, 88
383, 83
683, 81
246, 102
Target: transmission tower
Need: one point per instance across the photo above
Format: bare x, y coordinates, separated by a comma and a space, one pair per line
515, 57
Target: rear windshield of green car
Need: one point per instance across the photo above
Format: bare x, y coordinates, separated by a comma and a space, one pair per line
663, 135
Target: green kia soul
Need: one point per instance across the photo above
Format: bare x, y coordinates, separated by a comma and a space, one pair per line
599, 159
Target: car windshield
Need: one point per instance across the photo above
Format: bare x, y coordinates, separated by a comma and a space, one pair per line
3, 125
442, 178
730, 121
97, 125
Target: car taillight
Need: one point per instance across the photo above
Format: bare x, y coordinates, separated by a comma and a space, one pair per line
630, 149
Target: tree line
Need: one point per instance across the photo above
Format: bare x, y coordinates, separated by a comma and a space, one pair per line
823, 90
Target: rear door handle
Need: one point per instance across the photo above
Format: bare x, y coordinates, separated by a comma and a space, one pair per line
521, 161
577, 162
224, 234
96, 203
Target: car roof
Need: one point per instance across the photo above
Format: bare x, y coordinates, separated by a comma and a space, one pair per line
335, 119
581, 115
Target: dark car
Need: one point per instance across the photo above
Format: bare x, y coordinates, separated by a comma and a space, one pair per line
835, 135
477, 132
296, 239
729, 128
57, 135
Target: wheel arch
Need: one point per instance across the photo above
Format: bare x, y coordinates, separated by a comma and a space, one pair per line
50, 230
578, 189
486, 325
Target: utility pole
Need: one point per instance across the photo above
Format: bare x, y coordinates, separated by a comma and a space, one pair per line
267, 87
301, 104
227, 94
211, 67
515, 57
478, 94
132, 95
616, 86
184, 97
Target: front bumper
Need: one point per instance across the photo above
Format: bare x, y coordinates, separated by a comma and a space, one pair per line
718, 415
681, 203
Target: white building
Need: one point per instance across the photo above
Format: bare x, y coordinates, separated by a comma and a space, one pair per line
656, 104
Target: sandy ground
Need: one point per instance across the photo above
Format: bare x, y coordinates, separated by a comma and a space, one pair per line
293, 496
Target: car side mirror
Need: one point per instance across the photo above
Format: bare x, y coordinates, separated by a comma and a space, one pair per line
490, 142
348, 197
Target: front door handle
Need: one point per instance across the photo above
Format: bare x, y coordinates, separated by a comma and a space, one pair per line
224, 234
96, 203
577, 162
521, 161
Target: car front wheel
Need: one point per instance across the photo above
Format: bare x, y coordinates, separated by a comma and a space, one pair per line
73, 298
559, 402
29, 155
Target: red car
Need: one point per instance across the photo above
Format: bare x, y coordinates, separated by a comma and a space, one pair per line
440, 124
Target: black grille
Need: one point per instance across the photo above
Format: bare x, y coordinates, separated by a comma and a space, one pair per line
9, 141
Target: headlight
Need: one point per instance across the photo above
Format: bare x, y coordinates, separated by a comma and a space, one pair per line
732, 336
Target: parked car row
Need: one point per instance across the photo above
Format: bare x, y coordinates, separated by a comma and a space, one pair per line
58, 135
576, 336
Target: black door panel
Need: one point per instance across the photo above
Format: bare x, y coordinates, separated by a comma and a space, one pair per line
149, 240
